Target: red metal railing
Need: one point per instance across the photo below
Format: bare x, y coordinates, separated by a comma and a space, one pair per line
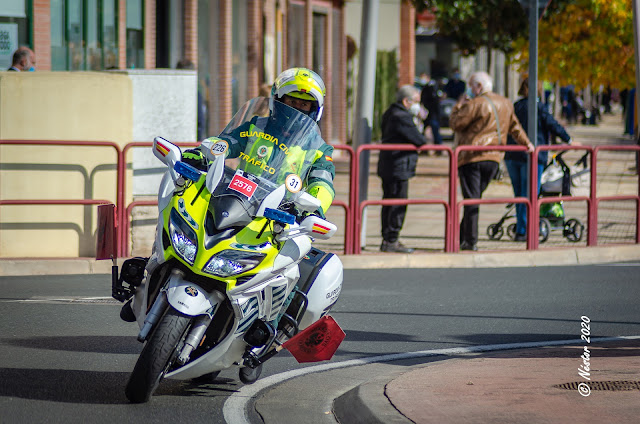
533, 219
455, 209
593, 234
354, 207
119, 174
126, 215
358, 206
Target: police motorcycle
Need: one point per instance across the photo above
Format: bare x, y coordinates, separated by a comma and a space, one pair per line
233, 274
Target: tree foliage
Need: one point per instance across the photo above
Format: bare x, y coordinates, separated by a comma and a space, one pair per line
585, 41
473, 24
579, 41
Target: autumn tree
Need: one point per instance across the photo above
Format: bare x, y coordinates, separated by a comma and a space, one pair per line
473, 24
585, 42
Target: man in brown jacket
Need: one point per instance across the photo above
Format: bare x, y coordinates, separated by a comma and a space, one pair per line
482, 118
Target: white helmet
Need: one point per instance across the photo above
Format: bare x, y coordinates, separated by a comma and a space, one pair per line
301, 83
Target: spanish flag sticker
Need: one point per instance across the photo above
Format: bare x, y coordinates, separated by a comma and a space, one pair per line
162, 149
329, 158
320, 229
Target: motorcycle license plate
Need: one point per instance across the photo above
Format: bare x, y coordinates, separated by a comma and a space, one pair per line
242, 184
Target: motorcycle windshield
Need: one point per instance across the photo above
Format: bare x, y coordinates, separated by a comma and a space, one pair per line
272, 148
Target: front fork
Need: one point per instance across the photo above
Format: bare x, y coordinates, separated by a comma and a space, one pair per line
154, 315
194, 337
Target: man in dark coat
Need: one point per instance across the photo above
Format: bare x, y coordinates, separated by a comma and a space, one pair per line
455, 87
395, 167
430, 99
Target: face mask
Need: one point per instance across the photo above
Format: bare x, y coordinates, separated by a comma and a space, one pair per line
456, 76
415, 109
423, 81
33, 68
470, 93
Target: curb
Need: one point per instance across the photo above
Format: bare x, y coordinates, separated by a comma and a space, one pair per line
502, 259
368, 404
524, 258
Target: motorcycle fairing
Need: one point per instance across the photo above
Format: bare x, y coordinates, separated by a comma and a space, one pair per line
190, 299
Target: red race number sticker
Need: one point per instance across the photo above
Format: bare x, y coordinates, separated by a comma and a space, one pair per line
243, 185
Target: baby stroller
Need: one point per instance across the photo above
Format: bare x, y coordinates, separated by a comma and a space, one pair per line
557, 179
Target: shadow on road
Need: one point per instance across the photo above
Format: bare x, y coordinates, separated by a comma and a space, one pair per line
126, 345
94, 387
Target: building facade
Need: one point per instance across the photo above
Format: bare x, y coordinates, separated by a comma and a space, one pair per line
237, 46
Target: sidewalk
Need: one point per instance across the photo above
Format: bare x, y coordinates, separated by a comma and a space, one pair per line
536, 385
424, 224
541, 385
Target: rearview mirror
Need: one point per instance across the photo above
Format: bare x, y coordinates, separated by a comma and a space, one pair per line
307, 203
166, 151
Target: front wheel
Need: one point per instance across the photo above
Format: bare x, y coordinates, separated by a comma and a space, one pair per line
495, 231
157, 356
573, 230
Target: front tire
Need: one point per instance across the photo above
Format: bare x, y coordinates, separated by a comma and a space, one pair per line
157, 356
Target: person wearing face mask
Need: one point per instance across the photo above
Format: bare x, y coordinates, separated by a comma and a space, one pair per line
484, 119
24, 59
396, 167
430, 99
455, 87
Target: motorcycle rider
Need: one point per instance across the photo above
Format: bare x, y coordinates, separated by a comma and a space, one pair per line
300, 89
297, 88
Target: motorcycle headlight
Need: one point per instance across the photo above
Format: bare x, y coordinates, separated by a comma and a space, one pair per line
232, 262
183, 238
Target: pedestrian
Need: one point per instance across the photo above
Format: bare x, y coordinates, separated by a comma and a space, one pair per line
430, 99
517, 161
483, 118
24, 59
396, 167
455, 87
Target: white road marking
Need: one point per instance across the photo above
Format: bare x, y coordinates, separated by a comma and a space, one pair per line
75, 299
234, 409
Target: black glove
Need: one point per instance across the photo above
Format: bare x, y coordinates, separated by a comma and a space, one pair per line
195, 158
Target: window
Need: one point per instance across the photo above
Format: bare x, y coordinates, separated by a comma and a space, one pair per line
58, 36
170, 32
239, 55
135, 34
109, 32
14, 30
75, 37
319, 50
84, 35
295, 35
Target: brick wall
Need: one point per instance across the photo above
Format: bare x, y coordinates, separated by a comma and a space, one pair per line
191, 31
222, 81
122, 34
308, 35
42, 34
407, 43
340, 115
150, 34
254, 47
269, 63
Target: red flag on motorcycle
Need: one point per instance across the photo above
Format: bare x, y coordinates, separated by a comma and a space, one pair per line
318, 342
